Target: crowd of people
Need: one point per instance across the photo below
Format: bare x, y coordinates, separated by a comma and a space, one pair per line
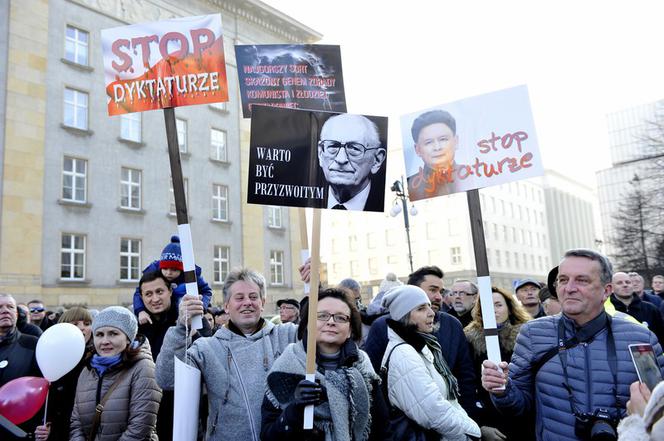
412, 365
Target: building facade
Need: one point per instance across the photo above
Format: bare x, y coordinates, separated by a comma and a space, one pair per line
87, 200
527, 227
630, 157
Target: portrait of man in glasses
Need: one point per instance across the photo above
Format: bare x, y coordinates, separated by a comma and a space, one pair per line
352, 158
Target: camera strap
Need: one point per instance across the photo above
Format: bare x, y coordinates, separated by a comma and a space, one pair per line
587, 335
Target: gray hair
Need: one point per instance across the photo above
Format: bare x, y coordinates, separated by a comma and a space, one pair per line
5, 295
635, 274
370, 128
606, 269
247, 275
473, 288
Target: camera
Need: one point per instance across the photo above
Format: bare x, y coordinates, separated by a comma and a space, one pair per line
597, 426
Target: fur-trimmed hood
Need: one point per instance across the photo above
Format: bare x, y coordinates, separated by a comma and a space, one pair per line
506, 336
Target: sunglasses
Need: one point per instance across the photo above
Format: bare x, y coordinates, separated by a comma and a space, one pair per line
36, 309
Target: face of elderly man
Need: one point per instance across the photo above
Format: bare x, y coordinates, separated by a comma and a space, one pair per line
349, 152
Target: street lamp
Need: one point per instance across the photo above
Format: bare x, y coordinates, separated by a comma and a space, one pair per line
398, 189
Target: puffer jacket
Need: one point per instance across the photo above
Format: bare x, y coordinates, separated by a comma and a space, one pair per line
588, 370
130, 412
234, 369
416, 388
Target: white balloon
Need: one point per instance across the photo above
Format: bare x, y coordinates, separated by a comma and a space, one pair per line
59, 349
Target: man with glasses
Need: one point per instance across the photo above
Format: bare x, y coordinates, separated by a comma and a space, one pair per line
351, 156
38, 315
289, 311
463, 294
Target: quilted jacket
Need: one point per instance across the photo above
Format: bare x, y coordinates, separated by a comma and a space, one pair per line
588, 369
415, 386
130, 412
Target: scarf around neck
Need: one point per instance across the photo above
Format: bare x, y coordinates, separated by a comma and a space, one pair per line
441, 365
102, 364
346, 415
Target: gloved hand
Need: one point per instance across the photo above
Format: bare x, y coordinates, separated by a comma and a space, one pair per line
306, 392
492, 434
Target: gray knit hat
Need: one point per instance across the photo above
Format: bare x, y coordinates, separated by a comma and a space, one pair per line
403, 299
117, 317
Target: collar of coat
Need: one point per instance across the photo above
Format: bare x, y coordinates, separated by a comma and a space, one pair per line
506, 337
233, 328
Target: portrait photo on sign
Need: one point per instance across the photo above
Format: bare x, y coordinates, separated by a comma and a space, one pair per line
296, 76
302, 158
471, 143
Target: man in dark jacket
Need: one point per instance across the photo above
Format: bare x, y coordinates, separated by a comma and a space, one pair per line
17, 354
624, 299
573, 367
450, 336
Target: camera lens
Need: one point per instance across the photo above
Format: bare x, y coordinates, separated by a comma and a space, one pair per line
602, 431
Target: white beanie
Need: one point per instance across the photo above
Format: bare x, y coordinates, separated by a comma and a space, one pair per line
117, 317
403, 299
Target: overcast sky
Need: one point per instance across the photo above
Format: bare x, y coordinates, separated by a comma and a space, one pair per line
579, 59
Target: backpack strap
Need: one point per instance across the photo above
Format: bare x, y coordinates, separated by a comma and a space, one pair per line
384, 370
100, 407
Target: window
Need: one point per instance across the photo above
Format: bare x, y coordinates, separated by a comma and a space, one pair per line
539, 263
182, 135
455, 255
354, 268
219, 202
525, 260
130, 189
221, 263
392, 260
274, 217
495, 231
390, 238
516, 260
541, 216
352, 243
373, 265
505, 233
130, 259
498, 262
453, 226
507, 259
371, 240
218, 145
277, 267
74, 179
72, 257
76, 109
502, 208
76, 45
130, 126
171, 208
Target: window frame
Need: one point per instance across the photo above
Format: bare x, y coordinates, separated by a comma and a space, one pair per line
74, 174
131, 256
73, 252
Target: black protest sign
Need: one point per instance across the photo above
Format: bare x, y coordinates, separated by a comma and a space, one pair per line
292, 76
302, 158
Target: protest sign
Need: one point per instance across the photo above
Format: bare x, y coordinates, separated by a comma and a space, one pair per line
294, 76
168, 63
471, 143
301, 158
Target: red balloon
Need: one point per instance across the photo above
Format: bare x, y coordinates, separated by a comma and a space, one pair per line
21, 398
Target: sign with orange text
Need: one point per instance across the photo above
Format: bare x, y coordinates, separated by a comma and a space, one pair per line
471, 143
169, 63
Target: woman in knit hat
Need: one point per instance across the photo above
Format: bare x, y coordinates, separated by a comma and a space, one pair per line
120, 375
420, 385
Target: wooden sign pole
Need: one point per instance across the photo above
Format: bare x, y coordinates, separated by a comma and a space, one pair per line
483, 278
184, 231
313, 311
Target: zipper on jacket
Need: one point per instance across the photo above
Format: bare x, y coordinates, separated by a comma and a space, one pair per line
99, 384
246, 400
589, 396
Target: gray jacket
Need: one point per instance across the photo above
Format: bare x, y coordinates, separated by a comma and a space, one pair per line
234, 369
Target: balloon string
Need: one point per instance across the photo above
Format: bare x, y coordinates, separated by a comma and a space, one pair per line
46, 404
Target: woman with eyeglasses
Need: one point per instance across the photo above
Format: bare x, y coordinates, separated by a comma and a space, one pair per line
510, 315
420, 386
348, 402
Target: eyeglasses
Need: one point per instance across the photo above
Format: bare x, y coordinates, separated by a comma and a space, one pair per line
353, 149
461, 294
287, 307
36, 309
338, 318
